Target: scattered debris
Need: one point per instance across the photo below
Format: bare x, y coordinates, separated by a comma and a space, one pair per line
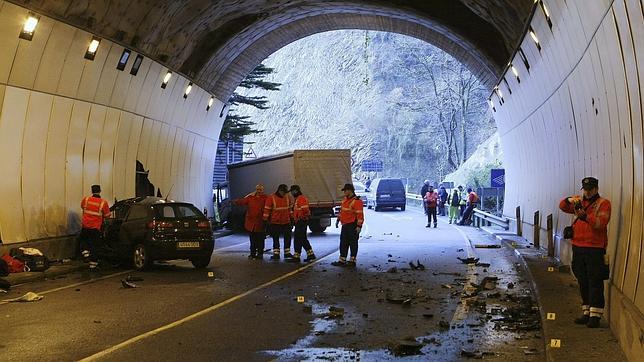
470, 260
132, 278
29, 297
428, 315
335, 313
417, 266
446, 286
392, 270
460, 250
406, 347
97, 322
510, 285
487, 246
128, 285
443, 324
471, 354
530, 351
484, 265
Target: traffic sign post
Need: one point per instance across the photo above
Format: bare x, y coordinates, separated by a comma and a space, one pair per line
497, 177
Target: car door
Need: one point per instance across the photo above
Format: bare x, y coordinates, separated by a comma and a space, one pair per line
134, 229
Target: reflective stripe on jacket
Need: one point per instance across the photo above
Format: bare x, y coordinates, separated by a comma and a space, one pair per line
277, 209
301, 210
94, 210
254, 212
593, 231
351, 211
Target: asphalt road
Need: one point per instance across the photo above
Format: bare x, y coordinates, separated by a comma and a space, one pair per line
248, 310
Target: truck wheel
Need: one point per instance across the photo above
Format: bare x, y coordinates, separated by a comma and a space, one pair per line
314, 226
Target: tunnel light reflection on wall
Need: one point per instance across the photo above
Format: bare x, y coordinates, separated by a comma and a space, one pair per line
210, 103
166, 79
546, 13
187, 91
533, 35
29, 28
92, 48
515, 72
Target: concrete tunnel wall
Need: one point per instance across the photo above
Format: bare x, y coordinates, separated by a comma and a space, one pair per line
578, 112
67, 123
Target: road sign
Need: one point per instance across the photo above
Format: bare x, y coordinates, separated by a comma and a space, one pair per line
371, 165
497, 177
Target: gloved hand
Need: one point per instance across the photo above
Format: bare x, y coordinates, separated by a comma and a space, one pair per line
358, 229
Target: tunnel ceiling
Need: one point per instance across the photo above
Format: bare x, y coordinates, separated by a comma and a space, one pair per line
217, 43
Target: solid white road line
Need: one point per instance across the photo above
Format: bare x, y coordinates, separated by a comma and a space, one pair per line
179, 322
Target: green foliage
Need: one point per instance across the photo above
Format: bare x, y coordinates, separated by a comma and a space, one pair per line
237, 126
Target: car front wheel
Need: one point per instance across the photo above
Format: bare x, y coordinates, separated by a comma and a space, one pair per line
140, 257
201, 262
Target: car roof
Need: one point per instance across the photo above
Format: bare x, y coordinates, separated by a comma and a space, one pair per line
148, 200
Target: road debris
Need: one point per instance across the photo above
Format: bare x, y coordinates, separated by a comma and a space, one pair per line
335, 313
28, 297
470, 260
417, 266
406, 347
487, 246
128, 285
133, 278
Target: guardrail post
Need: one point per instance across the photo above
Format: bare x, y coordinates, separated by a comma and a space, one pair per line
519, 222
537, 230
551, 241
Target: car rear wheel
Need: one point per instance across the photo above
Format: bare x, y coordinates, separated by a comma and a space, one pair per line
201, 262
315, 227
376, 208
402, 208
140, 257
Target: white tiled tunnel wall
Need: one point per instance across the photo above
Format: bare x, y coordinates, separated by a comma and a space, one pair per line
67, 123
576, 113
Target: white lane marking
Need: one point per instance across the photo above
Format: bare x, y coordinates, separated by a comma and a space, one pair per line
79, 283
179, 322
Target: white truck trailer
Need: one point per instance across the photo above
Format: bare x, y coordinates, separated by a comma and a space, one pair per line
320, 174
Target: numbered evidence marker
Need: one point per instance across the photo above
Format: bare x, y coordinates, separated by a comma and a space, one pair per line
551, 269
550, 316
555, 343
300, 299
211, 274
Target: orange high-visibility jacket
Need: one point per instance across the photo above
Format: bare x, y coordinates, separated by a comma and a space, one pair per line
255, 205
591, 232
94, 210
351, 211
301, 209
277, 209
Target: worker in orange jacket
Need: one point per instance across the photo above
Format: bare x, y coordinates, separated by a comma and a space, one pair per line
95, 209
278, 216
352, 217
589, 241
301, 215
254, 222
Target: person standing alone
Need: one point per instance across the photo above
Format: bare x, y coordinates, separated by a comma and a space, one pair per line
352, 217
301, 215
253, 221
431, 200
95, 209
589, 242
454, 201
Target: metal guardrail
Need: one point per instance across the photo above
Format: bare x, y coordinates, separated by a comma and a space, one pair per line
414, 196
481, 218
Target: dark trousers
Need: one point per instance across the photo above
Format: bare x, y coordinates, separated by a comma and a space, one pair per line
467, 215
348, 240
462, 207
278, 230
90, 240
587, 265
257, 242
299, 237
441, 209
431, 212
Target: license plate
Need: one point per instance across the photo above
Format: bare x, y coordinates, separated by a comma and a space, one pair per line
188, 244
384, 196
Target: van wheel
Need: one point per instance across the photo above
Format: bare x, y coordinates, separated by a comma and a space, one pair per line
376, 208
402, 208
315, 227
140, 257
201, 262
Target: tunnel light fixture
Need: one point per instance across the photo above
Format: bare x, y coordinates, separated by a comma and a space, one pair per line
533, 35
166, 79
515, 72
187, 91
491, 103
524, 59
210, 103
125, 56
498, 92
92, 48
137, 64
29, 27
546, 13
507, 85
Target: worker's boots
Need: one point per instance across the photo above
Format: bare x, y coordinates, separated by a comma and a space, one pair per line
583, 319
293, 259
310, 257
593, 322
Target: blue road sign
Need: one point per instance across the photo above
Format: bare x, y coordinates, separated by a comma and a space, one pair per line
371, 165
497, 177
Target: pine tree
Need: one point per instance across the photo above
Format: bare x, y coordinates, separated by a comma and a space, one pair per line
237, 126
